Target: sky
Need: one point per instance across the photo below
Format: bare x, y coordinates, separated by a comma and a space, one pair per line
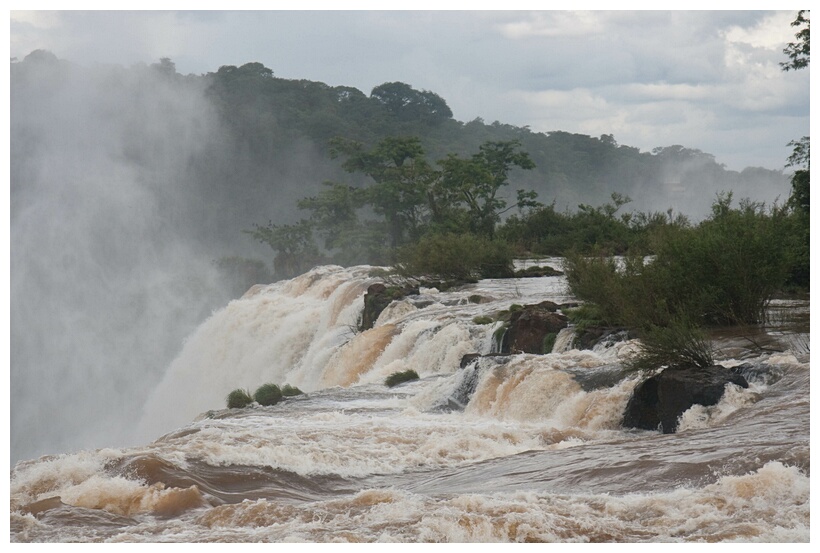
708, 80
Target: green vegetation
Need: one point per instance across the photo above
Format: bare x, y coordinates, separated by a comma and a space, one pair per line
439, 222
799, 53
400, 377
373, 173
723, 271
290, 391
267, 394
679, 345
549, 342
483, 320
239, 399
460, 257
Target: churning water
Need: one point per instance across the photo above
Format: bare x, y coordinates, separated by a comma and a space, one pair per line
522, 448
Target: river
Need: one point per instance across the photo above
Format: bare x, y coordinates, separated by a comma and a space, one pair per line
520, 448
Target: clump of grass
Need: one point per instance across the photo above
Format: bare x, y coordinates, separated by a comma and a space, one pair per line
267, 394
516, 307
680, 345
498, 338
399, 377
585, 316
549, 342
482, 320
239, 398
288, 391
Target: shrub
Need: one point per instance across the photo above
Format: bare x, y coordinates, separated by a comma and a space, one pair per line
267, 394
289, 391
462, 257
724, 271
482, 320
399, 377
680, 345
238, 399
585, 316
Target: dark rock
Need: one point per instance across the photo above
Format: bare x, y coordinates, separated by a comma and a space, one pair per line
530, 326
498, 358
592, 335
658, 402
543, 271
378, 297
547, 305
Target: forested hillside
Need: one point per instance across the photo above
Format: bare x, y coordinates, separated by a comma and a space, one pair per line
263, 143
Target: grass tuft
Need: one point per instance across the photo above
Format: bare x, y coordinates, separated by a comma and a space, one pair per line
267, 394
400, 377
238, 399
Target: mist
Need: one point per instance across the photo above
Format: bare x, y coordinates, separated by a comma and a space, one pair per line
105, 283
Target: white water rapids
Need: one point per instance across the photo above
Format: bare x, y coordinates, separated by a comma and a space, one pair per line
508, 449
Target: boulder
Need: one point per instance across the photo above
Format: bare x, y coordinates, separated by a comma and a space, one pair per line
530, 326
468, 358
658, 402
378, 297
541, 271
592, 335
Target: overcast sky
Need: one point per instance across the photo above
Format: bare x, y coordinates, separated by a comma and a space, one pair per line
707, 80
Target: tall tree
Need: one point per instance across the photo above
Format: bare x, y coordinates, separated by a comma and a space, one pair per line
799, 51
407, 103
477, 181
799, 54
401, 177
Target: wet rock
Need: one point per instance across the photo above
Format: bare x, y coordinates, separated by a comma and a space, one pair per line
531, 327
378, 297
541, 271
592, 335
658, 402
468, 358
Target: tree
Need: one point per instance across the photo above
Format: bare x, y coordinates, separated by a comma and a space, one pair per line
476, 182
799, 54
165, 67
296, 250
409, 104
401, 178
799, 198
799, 51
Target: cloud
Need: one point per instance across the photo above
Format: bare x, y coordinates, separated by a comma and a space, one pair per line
483, 63
770, 32
553, 24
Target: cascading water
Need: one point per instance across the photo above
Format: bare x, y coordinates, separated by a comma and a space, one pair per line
519, 447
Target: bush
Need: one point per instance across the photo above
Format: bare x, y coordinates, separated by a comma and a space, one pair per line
267, 394
397, 378
462, 257
585, 316
238, 399
483, 320
679, 345
289, 391
724, 271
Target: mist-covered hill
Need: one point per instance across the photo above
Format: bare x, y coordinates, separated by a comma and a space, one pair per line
127, 184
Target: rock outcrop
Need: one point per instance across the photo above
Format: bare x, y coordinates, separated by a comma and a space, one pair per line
531, 328
658, 402
378, 297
